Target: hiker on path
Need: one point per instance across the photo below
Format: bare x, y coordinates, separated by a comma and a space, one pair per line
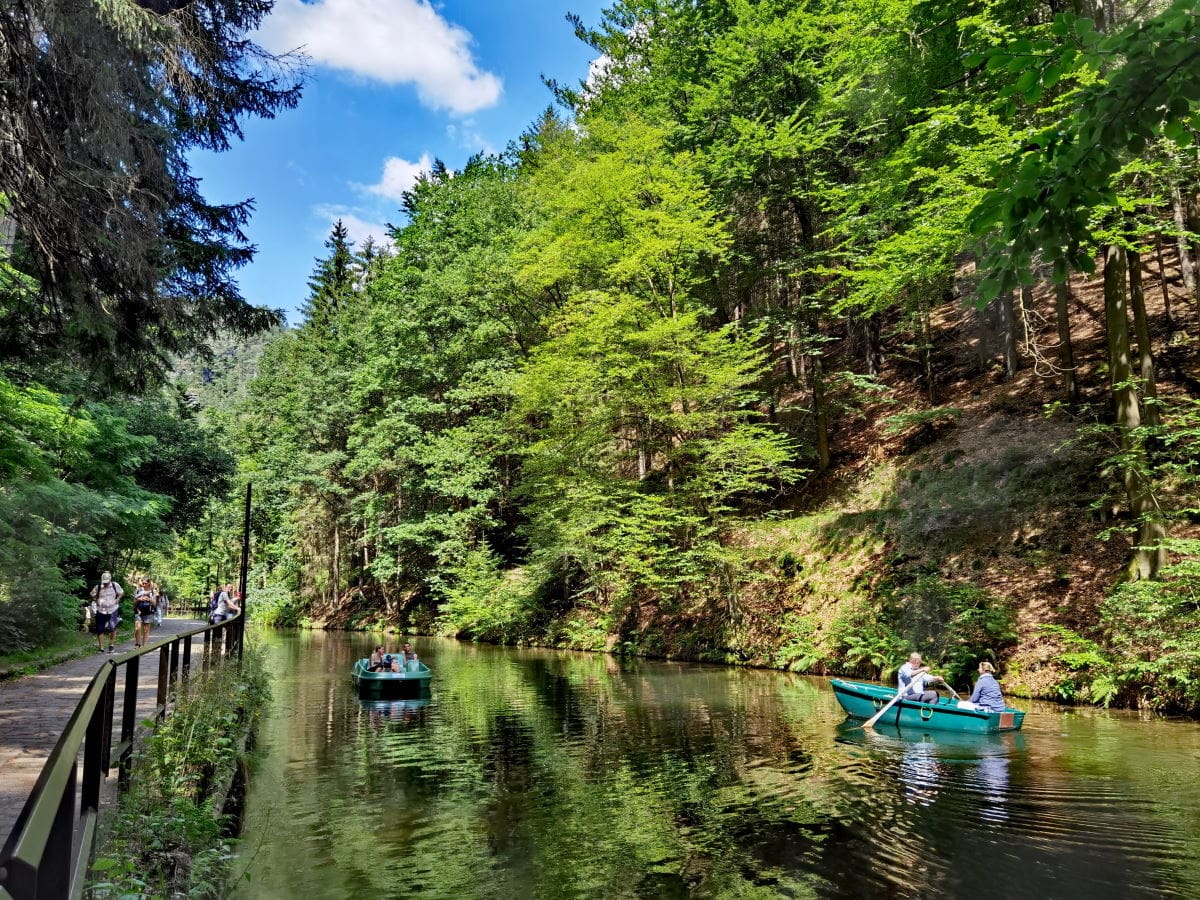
145, 609
220, 609
107, 595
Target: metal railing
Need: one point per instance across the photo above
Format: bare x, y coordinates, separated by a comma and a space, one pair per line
47, 855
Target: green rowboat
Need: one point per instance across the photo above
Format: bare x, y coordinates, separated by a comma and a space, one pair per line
861, 701
412, 680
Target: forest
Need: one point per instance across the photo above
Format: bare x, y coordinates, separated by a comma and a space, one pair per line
796, 335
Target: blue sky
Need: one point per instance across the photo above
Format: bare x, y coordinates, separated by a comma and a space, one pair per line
393, 84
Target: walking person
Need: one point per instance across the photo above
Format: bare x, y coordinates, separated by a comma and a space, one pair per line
107, 596
145, 610
220, 605
164, 604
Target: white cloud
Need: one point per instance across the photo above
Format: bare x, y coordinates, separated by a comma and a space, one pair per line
398, 176
392, 41
469, 138
359, 229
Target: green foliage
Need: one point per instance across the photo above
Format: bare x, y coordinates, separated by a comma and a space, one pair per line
801, 651
1153, 633
1125, 90
485, 602
1087, 664
866, 644
921, 418
165, 837
954, 624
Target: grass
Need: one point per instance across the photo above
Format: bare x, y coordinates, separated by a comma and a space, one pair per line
72, 645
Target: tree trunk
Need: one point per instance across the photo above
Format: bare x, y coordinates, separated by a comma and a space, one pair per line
1186, 269
337, 561
1066, 354
1141, 328
927, 353
1008, 327
1148, 556
820, 414
1162, 281
874, 349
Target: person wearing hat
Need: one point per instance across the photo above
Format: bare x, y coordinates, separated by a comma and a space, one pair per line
107, 595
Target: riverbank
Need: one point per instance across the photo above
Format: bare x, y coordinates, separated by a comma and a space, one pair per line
171, 833
983, 542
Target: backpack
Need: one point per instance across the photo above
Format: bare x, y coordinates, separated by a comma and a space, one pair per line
212, 601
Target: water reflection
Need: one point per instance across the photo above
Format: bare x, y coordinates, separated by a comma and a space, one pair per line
538, 774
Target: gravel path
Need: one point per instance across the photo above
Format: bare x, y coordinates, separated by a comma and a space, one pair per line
34, 710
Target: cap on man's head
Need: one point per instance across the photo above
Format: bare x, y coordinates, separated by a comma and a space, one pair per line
106, 578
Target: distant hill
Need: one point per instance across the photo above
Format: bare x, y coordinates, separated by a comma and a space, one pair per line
215, 382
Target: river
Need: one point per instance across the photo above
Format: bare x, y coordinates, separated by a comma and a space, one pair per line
541, 774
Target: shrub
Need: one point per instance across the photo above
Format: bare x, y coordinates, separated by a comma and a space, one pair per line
1153, 634
482, 601
163, 838
800, 650
956, 625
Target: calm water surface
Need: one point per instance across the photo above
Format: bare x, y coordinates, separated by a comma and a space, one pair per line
541, 774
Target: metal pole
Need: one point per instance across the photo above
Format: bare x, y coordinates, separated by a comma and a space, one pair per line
245, 573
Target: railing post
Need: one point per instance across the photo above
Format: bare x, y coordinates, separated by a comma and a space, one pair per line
128, 719
96, 749
54, 872
164, 665
187, 660
173, 678
107, 705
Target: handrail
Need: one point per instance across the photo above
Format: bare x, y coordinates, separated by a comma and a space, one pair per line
47, 854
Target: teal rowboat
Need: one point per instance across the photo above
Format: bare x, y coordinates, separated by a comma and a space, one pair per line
411, 681
861, 701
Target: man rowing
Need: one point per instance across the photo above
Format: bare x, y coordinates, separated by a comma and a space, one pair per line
911, 679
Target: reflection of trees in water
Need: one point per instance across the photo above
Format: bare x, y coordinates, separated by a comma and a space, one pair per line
578, 774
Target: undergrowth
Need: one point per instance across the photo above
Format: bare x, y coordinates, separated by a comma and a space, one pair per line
165, 838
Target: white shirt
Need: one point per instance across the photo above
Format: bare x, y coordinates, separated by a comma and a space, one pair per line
913, 682
108, 597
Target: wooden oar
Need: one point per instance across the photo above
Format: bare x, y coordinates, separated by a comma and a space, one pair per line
870, 723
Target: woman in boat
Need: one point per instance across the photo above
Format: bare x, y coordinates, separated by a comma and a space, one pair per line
376, 662
987, 694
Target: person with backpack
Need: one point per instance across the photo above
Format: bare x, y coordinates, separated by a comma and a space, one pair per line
219, 605
107, 596
164, 604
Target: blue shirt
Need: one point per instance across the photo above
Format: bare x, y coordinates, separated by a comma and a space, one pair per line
987, 693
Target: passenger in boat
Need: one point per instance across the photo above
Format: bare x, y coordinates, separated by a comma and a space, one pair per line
376, 663
912, 677
986, 695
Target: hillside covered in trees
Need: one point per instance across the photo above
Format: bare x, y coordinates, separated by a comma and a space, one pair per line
797, 335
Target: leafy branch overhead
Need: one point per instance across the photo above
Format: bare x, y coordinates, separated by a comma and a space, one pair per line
1108, 97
